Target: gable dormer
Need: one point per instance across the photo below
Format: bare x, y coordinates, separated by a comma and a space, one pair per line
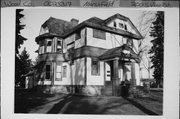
121, 22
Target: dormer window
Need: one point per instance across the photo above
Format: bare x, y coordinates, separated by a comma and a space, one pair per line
49, 46
121, 25
114, 24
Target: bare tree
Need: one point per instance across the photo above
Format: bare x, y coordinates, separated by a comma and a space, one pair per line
144, 26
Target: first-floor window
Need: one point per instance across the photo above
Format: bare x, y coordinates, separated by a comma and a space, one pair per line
64, 71
95, 67
58, 72
48, 72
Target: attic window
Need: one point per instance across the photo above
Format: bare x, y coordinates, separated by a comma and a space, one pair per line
125, 27
114, 24
78, 35
99, 34
121, 25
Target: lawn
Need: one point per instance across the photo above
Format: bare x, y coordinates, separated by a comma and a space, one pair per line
27, 101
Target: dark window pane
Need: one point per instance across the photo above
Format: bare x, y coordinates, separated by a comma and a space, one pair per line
78, 35
99, 34
49, 43
48, 68
47, 75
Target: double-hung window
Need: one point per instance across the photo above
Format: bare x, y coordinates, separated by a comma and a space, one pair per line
49, 46
58, 72
95, 67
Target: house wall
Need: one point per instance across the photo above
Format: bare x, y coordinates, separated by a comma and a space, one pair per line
111, 41
95, 79
70, 41
79, 72
64, 80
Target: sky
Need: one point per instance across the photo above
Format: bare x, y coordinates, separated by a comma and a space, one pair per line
34, 18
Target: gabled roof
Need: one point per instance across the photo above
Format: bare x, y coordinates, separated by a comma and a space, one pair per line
62, 28
100, 24
118, 52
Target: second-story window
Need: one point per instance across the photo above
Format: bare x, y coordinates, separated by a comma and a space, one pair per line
99, 34
59, 46
130, 43
41, 47
49, 46
78, 35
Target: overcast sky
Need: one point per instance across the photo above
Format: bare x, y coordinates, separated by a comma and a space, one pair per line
34, 18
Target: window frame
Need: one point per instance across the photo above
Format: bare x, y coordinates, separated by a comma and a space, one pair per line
99, 34
78, 35
60, 72
48, 72
97, 72
64, 71
47, 47
60, 46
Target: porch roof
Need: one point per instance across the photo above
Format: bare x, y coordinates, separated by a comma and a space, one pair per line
119, 52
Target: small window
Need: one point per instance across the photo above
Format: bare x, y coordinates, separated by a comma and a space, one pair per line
95, 67
48, 72
114, 24
78, 35
125, 27
99, 34
49, 48
121, 25
64, 71
130, 43
58, 72
59, 46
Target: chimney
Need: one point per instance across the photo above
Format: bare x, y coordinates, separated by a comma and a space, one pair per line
74, 21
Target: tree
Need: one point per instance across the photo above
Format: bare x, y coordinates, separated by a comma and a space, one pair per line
24, 65
157, 50
19, 39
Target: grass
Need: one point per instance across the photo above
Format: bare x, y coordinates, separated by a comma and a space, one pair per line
27, 101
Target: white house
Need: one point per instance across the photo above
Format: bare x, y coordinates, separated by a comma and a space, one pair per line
89, 57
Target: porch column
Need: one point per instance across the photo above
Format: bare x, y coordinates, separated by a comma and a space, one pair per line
115, 81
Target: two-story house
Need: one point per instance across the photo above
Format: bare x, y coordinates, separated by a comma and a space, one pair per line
89, 57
